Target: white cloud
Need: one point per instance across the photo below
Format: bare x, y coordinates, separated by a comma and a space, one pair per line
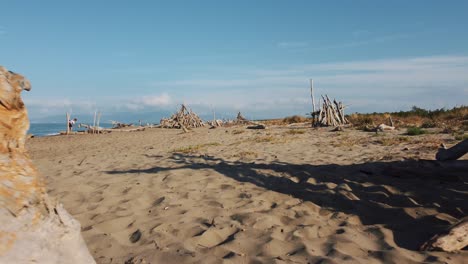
435, 81
156, 100
148, 101
370, 85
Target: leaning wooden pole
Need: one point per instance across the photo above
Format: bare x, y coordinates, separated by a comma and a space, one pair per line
313, 102
99, 121
312, 94
68, 123
94, 123
33, 228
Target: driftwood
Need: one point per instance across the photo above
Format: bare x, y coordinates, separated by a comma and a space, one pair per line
116, 124
130, 129
454, 152
383, 127
259, 126
33, 229
184, 118
92, 129
455, 238
330, 114
215, 123
240, 119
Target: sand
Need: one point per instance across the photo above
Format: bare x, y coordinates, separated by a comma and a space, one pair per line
231, 195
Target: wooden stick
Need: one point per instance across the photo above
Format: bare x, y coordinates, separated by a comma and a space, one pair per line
94, 122
313, 97
98, 121
68, 123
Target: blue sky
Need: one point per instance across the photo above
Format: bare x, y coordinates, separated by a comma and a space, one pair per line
249, 56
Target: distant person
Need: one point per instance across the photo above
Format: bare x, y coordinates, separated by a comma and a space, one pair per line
71, 123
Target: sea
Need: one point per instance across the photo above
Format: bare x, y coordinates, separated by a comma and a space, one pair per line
52, 129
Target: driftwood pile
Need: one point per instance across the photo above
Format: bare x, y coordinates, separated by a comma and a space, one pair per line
184, 118
330, 114
240, 120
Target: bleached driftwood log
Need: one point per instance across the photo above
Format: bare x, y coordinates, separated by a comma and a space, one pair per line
456, 238
454, 152
32, 228
383, 127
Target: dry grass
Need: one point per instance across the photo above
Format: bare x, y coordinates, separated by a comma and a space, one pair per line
264, 139
345, 141
361, 121
295, 119
391, 141
286, 121
295, 132
460, 135
416, 117
194, 148
269, 139
237, 132
246, 154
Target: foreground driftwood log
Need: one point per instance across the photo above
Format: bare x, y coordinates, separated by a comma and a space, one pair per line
32, 228
454, 152
456, 238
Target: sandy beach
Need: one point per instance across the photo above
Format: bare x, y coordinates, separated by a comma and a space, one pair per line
232, 195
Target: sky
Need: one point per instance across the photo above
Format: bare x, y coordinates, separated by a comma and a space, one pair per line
132, 57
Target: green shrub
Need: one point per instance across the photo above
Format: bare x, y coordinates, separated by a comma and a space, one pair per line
413, 131
461, 137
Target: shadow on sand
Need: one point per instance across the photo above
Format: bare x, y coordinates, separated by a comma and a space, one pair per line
414, 199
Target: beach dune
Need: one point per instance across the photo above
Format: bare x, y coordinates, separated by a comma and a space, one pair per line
231, 195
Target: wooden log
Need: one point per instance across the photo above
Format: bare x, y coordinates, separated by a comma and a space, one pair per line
383, 127
454, 152
454, 239
259, 126
33, 229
